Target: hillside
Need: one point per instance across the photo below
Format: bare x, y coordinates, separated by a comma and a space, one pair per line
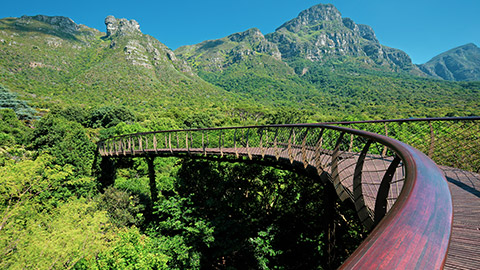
323, 62
458, 64
248, 65
319, 62
53, 59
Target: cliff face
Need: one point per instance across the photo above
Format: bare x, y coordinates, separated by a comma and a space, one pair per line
320, 33
142, 50
121, 26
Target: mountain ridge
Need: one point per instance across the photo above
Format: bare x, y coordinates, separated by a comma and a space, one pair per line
321, 33
216, 55
318, 34
458, 64
48, 63
57, 58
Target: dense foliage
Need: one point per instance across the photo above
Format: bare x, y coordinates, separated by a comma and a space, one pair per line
343, 88
55, 203
9, 100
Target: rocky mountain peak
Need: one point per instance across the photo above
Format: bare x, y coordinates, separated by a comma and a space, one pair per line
320, 34
312, 16
468, 47
253, 33
59, 22
121, 27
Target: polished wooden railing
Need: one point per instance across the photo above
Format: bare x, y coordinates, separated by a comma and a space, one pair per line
399, 193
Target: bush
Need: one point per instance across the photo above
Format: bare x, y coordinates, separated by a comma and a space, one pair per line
66, 141
10, 100
123, 208
109, 116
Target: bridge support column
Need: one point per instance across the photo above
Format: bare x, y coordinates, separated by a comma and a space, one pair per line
108, 172
152, 182
330, 217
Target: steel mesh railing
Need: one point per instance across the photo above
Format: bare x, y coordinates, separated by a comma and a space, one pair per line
389, 182
453, 142
342, 156
356, 165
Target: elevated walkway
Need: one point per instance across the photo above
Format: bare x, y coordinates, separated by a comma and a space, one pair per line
398, 191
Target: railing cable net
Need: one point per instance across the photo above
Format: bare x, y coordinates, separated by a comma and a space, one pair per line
325, 149
389, 182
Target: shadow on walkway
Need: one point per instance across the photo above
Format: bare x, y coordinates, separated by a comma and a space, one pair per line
467, 181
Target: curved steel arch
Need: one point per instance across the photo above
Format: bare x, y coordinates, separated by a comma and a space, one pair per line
370, 169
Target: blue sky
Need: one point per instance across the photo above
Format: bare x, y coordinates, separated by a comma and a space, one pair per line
422, 28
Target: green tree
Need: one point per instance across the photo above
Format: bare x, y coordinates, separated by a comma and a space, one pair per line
41, 225
179, 225
109, 116
130, 250
12, 131
288, 115
72, 113
198, 120
261, 217
122, 208
67, 141
9, 100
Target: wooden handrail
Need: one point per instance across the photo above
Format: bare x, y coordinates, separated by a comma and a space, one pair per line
415, 233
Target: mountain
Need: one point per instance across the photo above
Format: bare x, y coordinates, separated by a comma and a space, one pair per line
327, 63
246, 64
217, 55
319, 34
458, 64
54, 59
319, 62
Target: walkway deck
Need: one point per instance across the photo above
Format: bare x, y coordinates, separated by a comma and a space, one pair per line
464, 250
464, 247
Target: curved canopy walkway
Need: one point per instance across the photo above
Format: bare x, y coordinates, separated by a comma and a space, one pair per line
397, 190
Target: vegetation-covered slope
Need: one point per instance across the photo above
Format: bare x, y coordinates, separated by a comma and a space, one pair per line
52, 58
322, 62
318, 61
458, 64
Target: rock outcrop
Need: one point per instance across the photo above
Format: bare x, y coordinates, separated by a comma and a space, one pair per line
320, 33
59, 22
217, 55
121, 26
140, 49
314, 16
257, 42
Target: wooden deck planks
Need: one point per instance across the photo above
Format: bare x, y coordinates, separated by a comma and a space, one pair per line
464, 250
